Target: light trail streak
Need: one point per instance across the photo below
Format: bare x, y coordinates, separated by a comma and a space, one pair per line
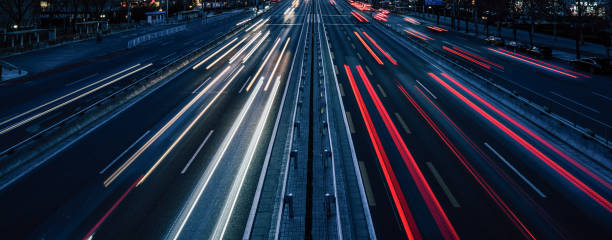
478, 57
228, 209
571, 178
144, 147
244, 48
369, 49
256, 47
418, 34
66, 95
542, 62
36, 116
280, 57
488, 189
242, 22
262, 65
466, 57
534, 63
380, 49
412, 20
530, 133
444, 224
410, 227
260, 25
225, 54
91, 232
188, 128
212, 55
252, 26
204, 180
357, 17
439, 29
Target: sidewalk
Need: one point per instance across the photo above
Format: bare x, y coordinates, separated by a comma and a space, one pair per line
564, 48
67, 55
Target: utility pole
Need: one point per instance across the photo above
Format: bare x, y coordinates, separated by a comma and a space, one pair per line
129, 6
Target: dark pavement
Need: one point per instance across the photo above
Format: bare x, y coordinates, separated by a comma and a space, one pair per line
438, 158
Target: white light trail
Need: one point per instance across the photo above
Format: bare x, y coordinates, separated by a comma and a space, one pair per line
144, 147
280, 57
203, 181
212, 55
228, 208
70, 100
262, 65
244, 48
193, 122
256, 47
225, 54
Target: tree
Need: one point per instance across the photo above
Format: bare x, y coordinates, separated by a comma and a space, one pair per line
17, 10
579, 8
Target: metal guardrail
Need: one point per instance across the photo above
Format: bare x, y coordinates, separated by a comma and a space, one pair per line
161, 72
137, 41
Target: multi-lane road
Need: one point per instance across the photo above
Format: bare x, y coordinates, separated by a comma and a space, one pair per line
417, 150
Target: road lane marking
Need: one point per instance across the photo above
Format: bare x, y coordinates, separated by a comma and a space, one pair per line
238, 183
264, 167
352, 45
192, 123
197, 151
366, 183
515, 171
603, 96
335, 69
332, 55
402, 123
384, 94
369, 71
350, 122
427, 90
359, 56
574, 102
168, 124
124, 152
341, 89
202, 84
442, 184
204, 179
244, 84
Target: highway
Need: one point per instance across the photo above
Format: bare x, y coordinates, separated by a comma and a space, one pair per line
449, 170
435, 156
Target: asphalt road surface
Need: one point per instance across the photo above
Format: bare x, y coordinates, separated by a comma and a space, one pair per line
440, 159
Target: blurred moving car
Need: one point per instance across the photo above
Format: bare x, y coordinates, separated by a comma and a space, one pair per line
593, 64
497, 41
516, 46
541, 52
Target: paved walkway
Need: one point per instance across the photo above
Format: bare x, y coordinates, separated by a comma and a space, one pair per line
565, 48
